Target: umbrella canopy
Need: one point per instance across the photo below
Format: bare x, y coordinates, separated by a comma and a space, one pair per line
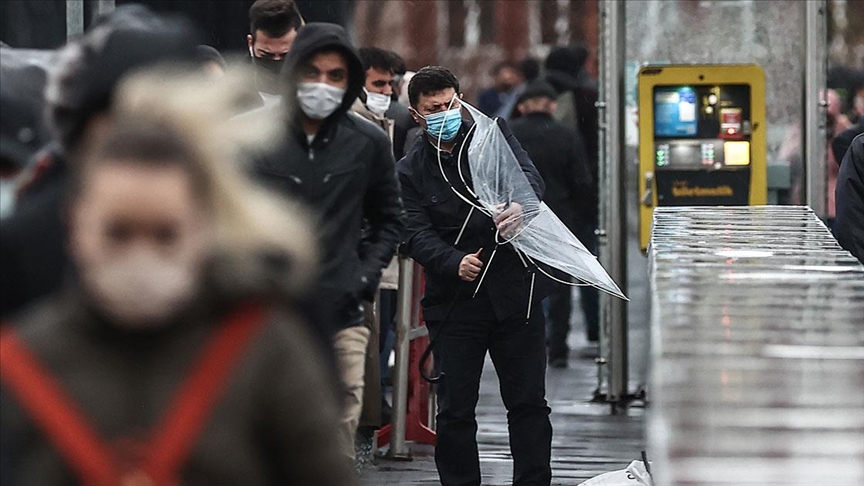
498, 182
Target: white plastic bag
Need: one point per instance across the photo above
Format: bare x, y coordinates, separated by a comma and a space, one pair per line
634, 475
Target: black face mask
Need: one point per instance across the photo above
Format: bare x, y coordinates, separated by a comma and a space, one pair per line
268, 64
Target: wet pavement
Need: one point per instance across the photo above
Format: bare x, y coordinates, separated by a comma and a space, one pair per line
588, 438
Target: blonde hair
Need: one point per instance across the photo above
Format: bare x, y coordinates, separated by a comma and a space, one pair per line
250, 221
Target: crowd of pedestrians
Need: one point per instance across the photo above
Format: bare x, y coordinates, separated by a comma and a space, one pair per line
199, 259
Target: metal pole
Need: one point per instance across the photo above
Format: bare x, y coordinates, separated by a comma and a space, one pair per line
815, 103
74, 18
404, 308
613, 233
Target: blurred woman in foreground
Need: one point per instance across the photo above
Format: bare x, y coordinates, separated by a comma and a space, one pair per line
169, 360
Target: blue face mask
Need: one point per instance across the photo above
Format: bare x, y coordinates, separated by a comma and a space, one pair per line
444, 124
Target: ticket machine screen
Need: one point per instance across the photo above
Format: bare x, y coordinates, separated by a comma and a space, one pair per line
675, 112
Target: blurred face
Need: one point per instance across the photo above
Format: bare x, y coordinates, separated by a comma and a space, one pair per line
379, 81
139, 236
540, 104
834, 106
507, 78
262, 45
435, 102
326, 67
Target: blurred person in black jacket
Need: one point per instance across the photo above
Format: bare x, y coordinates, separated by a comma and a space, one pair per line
78, 99
571, 191
23, 74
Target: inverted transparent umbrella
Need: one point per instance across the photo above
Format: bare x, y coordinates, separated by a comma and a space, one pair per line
539, 235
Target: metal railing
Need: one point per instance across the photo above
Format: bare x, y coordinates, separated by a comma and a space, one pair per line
404, 308
757, 349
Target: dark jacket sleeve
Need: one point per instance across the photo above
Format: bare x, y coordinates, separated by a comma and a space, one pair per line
524, 160
841, 143
422, 242
849, 225
382, 209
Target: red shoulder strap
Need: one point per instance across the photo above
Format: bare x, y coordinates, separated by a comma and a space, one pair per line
53, 412
187, 415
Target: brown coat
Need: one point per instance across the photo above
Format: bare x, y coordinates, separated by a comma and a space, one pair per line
275, 423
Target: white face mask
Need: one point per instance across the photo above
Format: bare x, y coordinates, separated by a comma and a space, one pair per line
142, 289
7, 197
319, 100
377, 103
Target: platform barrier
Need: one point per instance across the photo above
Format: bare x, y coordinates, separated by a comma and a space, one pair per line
413, 401
757, 349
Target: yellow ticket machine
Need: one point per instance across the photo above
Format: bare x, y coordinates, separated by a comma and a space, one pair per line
701, 138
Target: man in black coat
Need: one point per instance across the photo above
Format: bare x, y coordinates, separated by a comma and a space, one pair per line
341, 166
571, 193
849, 224
454, 243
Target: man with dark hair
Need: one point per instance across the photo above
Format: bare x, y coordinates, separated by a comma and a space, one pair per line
454, 243
506, 76
571, 191
273, 26
342, 168
375, 99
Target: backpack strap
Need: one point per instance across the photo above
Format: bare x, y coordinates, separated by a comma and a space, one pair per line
184, 420
54, 412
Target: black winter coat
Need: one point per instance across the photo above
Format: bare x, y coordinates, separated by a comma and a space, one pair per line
559, 154
346, 176
33, 257
434, 218
849, 223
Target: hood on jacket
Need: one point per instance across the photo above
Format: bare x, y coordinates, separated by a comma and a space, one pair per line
316, 37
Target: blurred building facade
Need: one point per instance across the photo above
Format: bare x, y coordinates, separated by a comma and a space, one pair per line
471, 36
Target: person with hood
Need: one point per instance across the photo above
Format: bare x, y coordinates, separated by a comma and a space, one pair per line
342, 168
571, 188
849, 225
175, 356
78, 100
454, 243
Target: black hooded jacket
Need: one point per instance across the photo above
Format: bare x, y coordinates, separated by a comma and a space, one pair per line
346, 176
849, 225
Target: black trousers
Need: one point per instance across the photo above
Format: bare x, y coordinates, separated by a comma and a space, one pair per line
518, 352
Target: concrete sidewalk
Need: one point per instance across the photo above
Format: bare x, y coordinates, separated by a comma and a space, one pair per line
588, 439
